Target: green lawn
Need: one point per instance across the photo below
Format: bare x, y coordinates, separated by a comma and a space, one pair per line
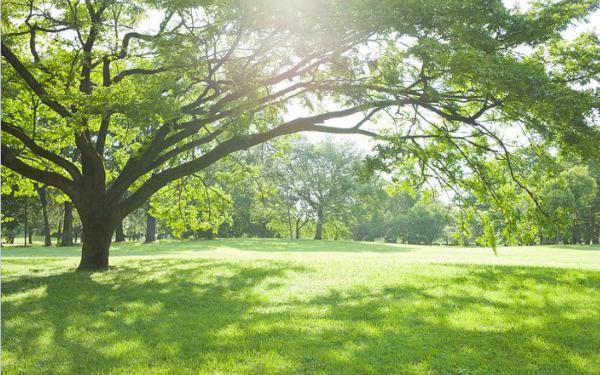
276, 306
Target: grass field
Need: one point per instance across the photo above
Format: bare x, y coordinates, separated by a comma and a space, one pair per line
276, 306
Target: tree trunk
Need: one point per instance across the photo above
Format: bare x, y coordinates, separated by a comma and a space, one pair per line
67, 234
319, 231
390, 238
26, 220
119, 235
94, 253
46, 224
30, 236
297, 230
289, 218
593, 234
59, 233
98, 225
150, 227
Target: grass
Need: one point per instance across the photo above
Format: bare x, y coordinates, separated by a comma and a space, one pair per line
276, 306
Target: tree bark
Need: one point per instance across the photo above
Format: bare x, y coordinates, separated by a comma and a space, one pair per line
46, 223
67, 233
593, 225
98, 225
150, 227
119, 235
26, 220
319, 231
289, 218
94, 253
297, 229
59, 233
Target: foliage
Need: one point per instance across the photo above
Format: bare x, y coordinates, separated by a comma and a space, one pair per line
191, 204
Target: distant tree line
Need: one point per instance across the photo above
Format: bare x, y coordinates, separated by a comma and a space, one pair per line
298, 189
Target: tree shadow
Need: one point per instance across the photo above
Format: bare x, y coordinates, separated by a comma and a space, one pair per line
212, 316
185, 247
580, 247
267, 245
83, 317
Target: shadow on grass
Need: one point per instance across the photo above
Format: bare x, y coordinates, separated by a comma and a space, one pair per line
595, 247
156, 315
172, 247
211, 316
282, 245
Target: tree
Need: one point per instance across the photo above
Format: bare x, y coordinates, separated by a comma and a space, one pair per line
119, 233
321, 176
18, 208
216, 77
135, 224
12, 217
426, 222
67, 229
584, 189
150, 227
568, 199
263, 200
196, 205
370, 209
561, 209
43, 195
594, 218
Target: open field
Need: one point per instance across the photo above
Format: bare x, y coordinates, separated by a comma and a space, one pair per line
277, 306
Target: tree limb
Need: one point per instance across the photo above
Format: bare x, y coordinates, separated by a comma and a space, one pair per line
12, 161
236, 143
40, 151
33, 83
138, 71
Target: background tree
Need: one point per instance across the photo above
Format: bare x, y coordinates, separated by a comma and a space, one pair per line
119, 232
42, 191
150, 226
594, 217
324, 179
426, 222
19, 208
67, 227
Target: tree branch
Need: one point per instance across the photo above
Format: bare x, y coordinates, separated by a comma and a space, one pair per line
178, 150
33, 83
40, 151
138, 71
12, 161
102, 133
234, 144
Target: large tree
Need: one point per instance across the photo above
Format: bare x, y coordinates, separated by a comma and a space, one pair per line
321, 176
137, 94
